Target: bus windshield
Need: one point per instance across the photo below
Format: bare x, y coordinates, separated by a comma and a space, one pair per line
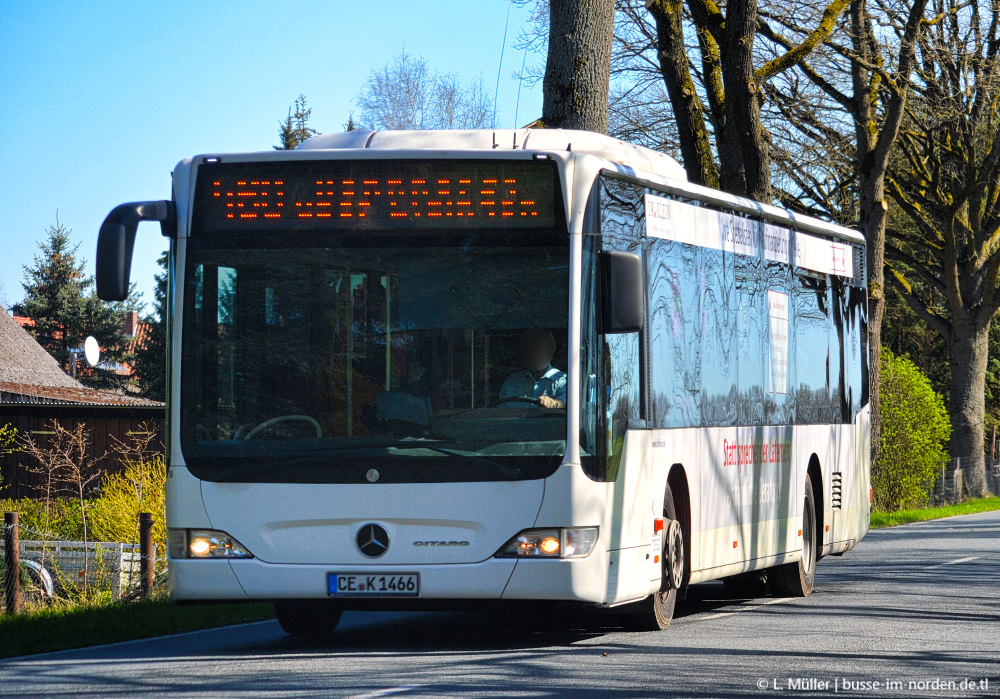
322, 357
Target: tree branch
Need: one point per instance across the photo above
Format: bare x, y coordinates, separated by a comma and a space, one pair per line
793, 56
918, 266
923, 311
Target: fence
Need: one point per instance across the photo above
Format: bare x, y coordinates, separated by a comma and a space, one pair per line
38, 571
953, 485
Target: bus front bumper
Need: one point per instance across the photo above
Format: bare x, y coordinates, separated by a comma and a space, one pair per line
570, 580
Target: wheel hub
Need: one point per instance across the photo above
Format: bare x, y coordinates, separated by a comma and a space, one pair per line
673, 555
807, 539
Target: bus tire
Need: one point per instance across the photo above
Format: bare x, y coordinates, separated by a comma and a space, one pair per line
655, 612
307, 618
797, 579
746, 585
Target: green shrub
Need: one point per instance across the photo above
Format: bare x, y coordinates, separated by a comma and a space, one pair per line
63, 521
114, 516
915, 432
8, 442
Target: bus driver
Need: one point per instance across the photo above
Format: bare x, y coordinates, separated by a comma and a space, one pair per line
539, 380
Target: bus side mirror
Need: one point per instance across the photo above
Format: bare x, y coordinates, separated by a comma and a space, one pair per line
116, 241
621, 292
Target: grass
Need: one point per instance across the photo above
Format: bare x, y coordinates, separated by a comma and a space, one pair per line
63, 628
891, 519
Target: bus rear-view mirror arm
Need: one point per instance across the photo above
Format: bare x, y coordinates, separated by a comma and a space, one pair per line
116, 241
622, 295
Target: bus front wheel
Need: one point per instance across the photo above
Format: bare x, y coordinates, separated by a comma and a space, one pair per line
307, 618
655, 612
796, 579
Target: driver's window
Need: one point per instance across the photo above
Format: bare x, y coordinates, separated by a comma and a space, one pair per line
611, 376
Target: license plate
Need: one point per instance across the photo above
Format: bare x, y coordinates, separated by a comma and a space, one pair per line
373, 584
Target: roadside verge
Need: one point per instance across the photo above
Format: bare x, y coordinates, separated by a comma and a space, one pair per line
892, 519
55, 629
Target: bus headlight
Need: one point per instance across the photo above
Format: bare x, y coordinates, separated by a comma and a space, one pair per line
569, 542
204, 543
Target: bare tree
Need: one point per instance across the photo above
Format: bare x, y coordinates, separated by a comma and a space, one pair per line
69, 467
82, 474
137, 451
457, 105
719, 99
47, 463
861, 84
947, 181
405, 94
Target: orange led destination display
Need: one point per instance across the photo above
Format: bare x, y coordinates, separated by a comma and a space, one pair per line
352, 195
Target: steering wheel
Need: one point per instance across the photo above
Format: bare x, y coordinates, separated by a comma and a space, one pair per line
533, 401
520, 399
284, 418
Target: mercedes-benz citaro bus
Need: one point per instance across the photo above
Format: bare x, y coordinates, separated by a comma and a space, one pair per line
433, 369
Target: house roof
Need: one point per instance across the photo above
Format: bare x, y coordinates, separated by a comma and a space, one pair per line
27, 394
24, 361
29, 374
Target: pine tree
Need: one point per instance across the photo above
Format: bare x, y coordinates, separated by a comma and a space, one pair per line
150, 362
295, 128
61, 300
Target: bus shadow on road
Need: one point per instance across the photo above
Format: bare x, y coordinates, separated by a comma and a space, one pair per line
496, 629
491, 630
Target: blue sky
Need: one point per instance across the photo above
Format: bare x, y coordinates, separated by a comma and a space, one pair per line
99, 100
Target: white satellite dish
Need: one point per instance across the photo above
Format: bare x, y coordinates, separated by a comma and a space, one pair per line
91, 350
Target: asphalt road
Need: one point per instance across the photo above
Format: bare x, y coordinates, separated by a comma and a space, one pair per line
918, 605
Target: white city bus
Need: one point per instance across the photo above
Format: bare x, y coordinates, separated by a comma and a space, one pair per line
422, 370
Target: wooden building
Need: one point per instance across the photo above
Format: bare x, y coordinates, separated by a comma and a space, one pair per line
34, 391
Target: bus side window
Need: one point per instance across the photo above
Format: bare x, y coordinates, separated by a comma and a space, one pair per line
621, 374
840, 341
852, 312
610, 364
812, 349
779, 406
752, 332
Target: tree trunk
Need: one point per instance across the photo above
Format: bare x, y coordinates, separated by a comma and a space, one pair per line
696, 148
578, 67
872, 222
746, 165
968, 343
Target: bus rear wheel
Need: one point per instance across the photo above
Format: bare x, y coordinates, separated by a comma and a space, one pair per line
655, 612
797, 579
746, 585
313, 619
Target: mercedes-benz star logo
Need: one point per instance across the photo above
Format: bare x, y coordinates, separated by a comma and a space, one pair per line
373, 540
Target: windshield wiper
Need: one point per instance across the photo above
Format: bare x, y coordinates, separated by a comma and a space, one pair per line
378, 445
511, 472
243, 470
